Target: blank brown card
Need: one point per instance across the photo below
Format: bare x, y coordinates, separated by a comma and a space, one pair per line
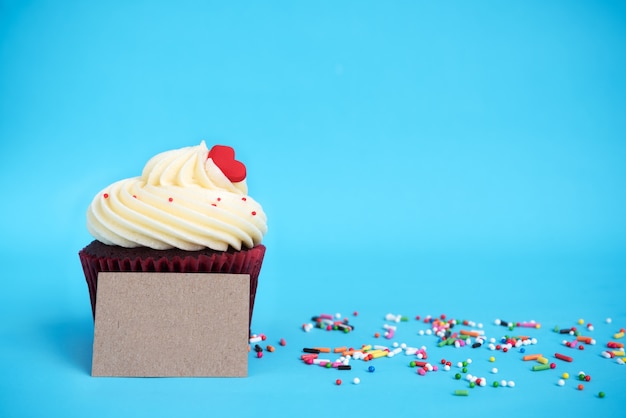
171, 324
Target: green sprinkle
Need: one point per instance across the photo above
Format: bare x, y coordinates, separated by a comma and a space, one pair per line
472, 384
495, 384
540, 367
464, 369
601, 395
461, 392
457, 376
412, 364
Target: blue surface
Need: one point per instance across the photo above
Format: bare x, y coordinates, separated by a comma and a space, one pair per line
419, 158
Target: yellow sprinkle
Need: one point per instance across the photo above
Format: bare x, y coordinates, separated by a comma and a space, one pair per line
618, 335
565, 375
378, 353
543, 360
492, 359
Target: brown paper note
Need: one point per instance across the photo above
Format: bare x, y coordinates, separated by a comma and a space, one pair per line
171, 324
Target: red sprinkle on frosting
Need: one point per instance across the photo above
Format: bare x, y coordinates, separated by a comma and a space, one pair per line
253, 213
106, 195
170, 199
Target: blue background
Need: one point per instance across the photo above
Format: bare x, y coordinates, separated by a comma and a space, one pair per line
418, 158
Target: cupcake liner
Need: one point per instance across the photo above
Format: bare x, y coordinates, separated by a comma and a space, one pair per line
98, 257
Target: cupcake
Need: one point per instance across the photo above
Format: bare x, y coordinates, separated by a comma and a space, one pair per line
188, 212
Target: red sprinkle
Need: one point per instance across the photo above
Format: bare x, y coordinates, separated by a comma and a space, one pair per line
244, 199
106, 195
253, 213
563, 357
170, 199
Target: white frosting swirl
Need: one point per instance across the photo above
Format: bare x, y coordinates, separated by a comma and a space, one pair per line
182, 200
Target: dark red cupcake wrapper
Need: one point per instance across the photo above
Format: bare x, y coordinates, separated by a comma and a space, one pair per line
246, 261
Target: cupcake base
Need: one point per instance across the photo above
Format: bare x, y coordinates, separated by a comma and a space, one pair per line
97, 257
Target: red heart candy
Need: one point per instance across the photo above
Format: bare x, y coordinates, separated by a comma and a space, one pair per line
224, 157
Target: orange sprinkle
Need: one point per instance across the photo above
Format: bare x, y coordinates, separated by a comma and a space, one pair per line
340, 349
470, 333
528, 357
323, 349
